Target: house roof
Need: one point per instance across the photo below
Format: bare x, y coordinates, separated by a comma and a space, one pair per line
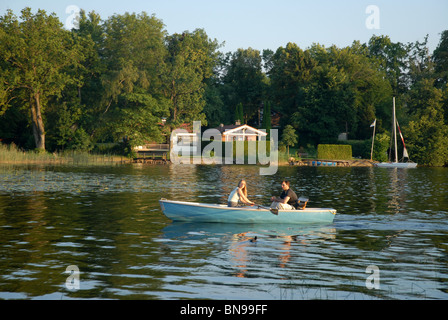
224, 128
233, 129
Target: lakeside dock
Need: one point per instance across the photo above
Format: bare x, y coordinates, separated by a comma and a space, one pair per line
332, 163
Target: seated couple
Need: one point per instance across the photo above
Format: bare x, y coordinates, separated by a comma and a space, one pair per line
286, 201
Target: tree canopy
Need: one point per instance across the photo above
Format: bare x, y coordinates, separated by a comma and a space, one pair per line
35, 55
115, 79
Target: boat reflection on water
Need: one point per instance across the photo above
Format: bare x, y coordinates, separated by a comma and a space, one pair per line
244, 244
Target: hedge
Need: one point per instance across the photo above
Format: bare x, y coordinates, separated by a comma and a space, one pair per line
334, 152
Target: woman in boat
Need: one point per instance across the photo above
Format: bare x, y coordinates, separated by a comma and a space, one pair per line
239, 195
287, 199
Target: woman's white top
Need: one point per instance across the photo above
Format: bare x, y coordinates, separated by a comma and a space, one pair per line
234, 196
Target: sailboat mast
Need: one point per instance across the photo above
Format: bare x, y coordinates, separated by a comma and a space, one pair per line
395, 132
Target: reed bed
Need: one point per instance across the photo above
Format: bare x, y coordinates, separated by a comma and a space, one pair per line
12, 154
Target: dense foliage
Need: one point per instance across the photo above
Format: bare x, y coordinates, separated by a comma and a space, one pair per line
114, 80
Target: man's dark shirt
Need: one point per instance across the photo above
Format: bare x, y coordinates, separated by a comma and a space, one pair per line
292, 197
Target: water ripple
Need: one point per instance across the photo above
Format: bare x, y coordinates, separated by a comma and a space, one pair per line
107, 221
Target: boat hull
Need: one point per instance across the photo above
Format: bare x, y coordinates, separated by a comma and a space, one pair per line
215, 213
403, 165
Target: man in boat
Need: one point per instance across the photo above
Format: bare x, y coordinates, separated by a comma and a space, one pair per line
287, 199
239, 195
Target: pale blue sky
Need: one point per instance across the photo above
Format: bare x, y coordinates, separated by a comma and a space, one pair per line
265, 24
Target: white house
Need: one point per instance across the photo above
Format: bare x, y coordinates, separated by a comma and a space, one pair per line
239, 132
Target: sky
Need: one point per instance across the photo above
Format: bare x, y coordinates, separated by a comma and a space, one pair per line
266, 24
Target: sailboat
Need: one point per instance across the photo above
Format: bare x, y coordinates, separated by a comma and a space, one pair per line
396, 164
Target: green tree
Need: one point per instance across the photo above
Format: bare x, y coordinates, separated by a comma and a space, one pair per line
391, 58
440, 58
245, 81
289, 137
371, 91
381, 145
64, 122
420, 63
73, 116
190, 60
266, 123
290, 71
35, 51
327, 100
132, 102
91, 35
325, 91
239, 113
427, 133
214, 108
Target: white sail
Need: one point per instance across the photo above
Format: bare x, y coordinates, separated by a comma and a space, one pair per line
405, 153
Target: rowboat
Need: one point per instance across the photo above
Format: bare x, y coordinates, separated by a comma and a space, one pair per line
219, 213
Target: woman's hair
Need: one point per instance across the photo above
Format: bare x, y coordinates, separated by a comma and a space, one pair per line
244, 189
286, 182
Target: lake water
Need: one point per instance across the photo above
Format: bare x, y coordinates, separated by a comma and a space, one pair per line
389, 239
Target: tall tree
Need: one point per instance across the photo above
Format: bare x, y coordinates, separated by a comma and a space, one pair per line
267, 118
215, 109
239, 113
34, 52
427, 133
440, 58
324, 91
134, 51
391, 58
289, 137
371, 92
420, 64
290, 71
91, 35
73, 115
190, 59
245, 81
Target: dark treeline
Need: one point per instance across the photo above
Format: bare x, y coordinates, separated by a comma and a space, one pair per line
116, 79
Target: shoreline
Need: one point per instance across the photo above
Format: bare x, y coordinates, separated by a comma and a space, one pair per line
356, 163
117, 160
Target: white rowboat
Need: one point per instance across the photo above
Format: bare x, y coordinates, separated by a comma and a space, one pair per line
219, 213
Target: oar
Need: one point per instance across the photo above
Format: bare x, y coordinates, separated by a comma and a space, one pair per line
274, 211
